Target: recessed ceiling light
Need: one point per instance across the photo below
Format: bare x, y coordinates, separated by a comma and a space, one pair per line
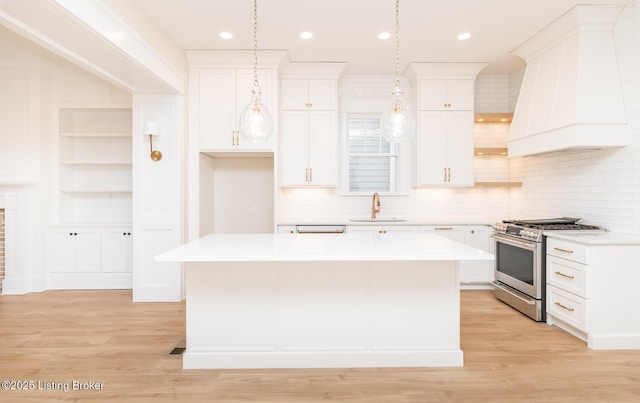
384, 35
226, 35
463, 36
306, 35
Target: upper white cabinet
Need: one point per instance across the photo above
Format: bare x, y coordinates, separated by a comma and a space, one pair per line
446, 144
219, 96
309, 144
312, 94
309, 148
450, 95
443, 146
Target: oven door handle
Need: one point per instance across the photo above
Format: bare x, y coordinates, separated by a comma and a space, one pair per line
508, 241
527, 301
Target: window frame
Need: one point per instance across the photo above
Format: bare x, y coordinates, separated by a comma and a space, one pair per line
362, 107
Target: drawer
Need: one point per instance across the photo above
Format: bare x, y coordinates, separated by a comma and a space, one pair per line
567, 275
567, 307
568, 250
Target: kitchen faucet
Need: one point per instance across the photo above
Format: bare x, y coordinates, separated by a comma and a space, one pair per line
375, 205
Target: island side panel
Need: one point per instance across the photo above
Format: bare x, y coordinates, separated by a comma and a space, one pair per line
231, 307
322, 314
415, 306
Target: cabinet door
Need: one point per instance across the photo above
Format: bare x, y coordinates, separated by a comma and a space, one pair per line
60, 251
295, 94
446, 95
480, 271
432, 145
460, 95
445, 151
323, 148
87, 251
116, 250
433, 95
323, 95
459, 148
294, 148
216, 109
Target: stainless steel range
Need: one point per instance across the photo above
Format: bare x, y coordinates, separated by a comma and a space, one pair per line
520, 264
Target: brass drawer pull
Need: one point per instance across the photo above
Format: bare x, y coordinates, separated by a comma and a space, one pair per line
565, 307
565, 275
563, 250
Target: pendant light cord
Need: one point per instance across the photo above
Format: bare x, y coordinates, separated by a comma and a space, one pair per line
398, 44
255, 44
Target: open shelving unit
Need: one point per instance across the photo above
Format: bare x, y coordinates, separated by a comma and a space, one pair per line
95, 165
490, 150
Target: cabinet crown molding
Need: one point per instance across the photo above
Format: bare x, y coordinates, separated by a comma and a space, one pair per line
272, 59
329, 70
438, 71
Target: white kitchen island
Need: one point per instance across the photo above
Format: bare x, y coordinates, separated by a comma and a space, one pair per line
322, 300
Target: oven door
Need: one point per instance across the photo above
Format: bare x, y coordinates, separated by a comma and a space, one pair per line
518, 264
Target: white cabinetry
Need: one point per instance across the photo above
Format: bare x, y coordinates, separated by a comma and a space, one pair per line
81, 257
479, 271
444, 93
309, 132
116, 250
473, 274
446, 137
73, 250
219, 96
382, 229
592, 288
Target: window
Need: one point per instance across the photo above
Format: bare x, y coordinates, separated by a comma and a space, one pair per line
372, 161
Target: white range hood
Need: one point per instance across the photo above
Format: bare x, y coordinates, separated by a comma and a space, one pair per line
571, 95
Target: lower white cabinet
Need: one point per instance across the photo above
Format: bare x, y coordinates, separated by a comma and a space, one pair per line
89, 257
73, 250
479, 271
473, 274
382, 229
116, 250
592, 289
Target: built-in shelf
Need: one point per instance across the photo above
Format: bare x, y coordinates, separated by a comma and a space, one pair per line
497, 184
493, 117
490, 151
95, 165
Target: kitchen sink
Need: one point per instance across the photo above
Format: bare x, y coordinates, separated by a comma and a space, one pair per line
378, 219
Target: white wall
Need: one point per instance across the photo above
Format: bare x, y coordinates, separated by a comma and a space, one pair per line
603, 186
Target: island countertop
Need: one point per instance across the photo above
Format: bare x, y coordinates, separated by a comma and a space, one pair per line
322, 248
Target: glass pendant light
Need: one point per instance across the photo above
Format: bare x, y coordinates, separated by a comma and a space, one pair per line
397, 122
256, 124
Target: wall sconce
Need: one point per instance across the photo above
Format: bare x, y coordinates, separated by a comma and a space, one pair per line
151, 129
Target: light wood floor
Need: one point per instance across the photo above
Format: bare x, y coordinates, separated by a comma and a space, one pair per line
101, 336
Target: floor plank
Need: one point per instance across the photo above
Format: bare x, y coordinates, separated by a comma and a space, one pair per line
57, 337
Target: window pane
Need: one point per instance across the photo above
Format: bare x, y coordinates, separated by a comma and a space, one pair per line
373, 161
373, 174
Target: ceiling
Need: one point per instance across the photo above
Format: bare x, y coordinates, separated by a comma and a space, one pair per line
347, 30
